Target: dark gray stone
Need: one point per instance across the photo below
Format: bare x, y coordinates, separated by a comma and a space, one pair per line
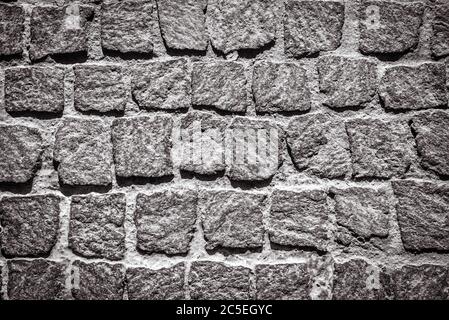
83, 151
162, 85
12, 22
96, 226
30, 225
216, 281
240, 24
182, 24
36, 280
347, 82
283, 282
142, 146
21, 153
299, 219
280, 87
379, 148
414, 87
165, 221
99, 88
422, 214
98, 281
221, 85
318, 144
312, 26
440, 26
389, 27
161, 284
232, 219
44, 89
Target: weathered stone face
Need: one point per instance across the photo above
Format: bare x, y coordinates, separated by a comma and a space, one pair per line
299, 219
165, 221
142, 146
312, 26
161, 284
126, 25
440, 39
422, 214
389, 27
221, 85
162, 85
59, 30
183, 24
98, 281
347, 82
45, 89
21, 153
240, 24
30, 225
413, 88
215, 281
12, 19
84, 152
96, 226
379, 148
282, 282
318, 144
432, 140
280, 87
232, 219
36, 280
99, 88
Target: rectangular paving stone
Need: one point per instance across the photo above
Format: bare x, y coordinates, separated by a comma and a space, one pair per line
12, 26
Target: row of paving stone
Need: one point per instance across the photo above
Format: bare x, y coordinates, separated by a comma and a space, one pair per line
353, 279
310, 27
344, 82
166, 219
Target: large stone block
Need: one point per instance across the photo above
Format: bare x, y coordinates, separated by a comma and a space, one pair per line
12, 26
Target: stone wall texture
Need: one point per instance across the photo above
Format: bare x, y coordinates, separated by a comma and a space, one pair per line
99, 99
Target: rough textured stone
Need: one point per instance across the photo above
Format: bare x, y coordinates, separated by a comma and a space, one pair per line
96, 226
30, 225
347, 82
126, 25
432, 140
318, 144
36, 280
440, 26
355, 280
424, 282
253, 149
389, 27
142, 146
361, 213
182, 24
162, 85
165, 221
299, 219
161, 284
202, 143
215, 281
240, 24
84, 152
422, 214
412, 88
99, 88
379, 148
312, 26
98, 281
44, 89
221, 85
12, 19
282, 282
59, 30
21, 153
280, 87
232, 219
